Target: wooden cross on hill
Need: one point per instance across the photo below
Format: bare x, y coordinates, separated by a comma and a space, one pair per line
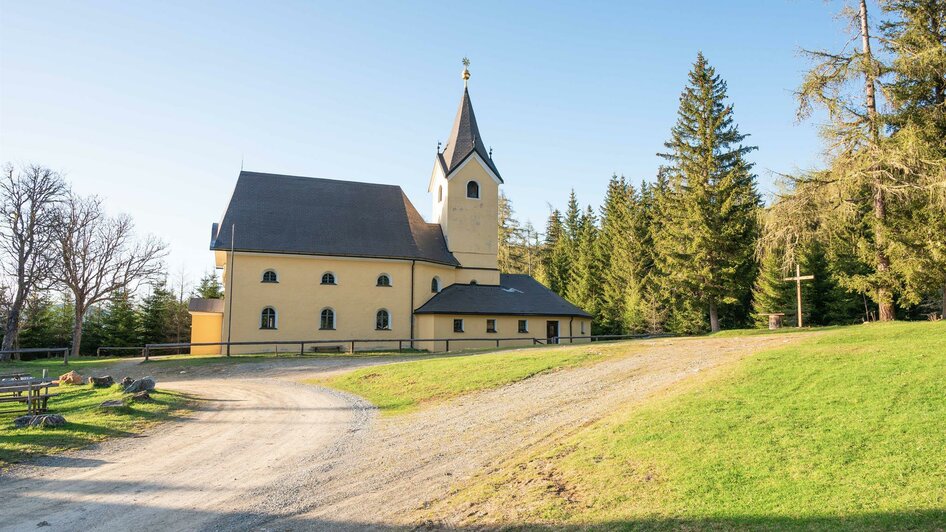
798, 279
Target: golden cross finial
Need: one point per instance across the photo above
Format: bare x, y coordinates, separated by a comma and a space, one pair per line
466, 71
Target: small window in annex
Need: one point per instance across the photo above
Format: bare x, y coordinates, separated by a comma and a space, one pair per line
328, 278
523, 326
457, 325
582, 327
383, 320
473, 190
267, 318
490, 326
435, 285
269, 276
327, 320
384, 280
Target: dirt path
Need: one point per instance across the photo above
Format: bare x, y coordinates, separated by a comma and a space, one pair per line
264, 452
246, 436
405, 463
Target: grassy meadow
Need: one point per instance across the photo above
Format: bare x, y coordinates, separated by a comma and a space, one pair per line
844, 430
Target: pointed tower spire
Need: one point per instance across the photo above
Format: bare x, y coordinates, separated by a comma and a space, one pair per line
465, 137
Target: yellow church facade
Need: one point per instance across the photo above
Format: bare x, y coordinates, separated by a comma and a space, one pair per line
328, 260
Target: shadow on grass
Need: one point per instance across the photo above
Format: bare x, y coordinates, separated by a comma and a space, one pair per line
120, 503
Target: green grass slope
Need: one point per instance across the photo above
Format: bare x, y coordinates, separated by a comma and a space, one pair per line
845, 430
404, 386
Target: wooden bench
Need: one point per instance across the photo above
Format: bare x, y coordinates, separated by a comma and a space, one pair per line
14, 376
36, 395
327, 349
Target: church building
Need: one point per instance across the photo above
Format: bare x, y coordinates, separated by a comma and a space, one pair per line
319, 259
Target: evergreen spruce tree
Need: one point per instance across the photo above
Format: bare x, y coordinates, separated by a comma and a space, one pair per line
620, 253
121, 323
709, 214
771, 293
210, 287
554, 261
94, 330
817, 293
584, 282
571, 229
656, 300
63, 319
156, 315
39, 322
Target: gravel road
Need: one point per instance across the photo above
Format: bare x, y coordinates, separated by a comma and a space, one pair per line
264, 452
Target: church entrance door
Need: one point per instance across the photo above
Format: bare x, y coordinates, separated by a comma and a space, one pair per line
551, 331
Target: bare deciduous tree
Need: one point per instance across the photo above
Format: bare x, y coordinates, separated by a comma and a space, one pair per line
100, 255
28, 202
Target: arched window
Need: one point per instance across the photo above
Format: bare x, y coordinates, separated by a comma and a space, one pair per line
383, 320
473, 190
328, 278
384, 280
440, 193
269, 276
267, 318
473, 282
327, 320
435, 285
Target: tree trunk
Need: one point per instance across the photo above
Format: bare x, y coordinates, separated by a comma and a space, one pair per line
884, 294
714, 317
10, 332
77, 330
943, 313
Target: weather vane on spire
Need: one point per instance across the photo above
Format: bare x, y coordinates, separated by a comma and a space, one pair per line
466, 71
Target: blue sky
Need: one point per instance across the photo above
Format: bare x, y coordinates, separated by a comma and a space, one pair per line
154, 105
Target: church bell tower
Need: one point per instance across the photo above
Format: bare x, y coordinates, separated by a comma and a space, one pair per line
464, 187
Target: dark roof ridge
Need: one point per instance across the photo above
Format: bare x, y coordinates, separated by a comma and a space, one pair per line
292, 176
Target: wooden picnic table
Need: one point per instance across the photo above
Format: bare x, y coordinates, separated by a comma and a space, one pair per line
32, 391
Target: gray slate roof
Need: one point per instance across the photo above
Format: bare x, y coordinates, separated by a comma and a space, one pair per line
200, 304
465, 139
302, 215
517, 294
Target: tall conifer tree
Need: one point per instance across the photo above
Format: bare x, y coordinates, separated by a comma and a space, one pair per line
584, 282
708, 215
